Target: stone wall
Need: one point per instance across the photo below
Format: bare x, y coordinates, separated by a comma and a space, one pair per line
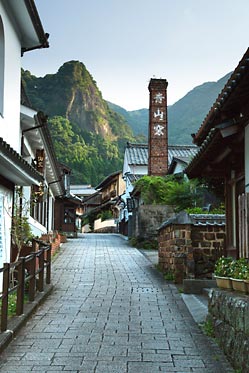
175, 250
189, 249
229, 314
146, 220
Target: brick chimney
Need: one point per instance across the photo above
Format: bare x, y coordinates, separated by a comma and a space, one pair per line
158, 128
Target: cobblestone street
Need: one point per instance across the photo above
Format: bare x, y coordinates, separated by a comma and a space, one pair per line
111, 311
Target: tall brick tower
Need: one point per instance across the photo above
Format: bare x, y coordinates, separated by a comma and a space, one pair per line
158, 128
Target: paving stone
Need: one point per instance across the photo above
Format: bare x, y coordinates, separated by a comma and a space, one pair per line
110, 311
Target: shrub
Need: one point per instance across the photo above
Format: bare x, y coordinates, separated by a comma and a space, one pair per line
223, 267
240, 269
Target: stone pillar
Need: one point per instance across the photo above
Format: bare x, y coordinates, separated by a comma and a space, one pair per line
158, 131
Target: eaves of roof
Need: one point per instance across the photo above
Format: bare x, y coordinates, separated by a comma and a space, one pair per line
195, 219
190, 169
222, 99
108, 179
15, 168
27, 21
30, 4
56, 181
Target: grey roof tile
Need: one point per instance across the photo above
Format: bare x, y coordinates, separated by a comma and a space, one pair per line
137, 154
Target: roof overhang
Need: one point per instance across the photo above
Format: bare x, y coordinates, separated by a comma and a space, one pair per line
231, 104
28, 24
217, 154
14, 168
108, 180
34, 126
221, 135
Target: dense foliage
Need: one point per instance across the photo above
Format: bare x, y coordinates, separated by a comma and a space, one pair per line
180, 193
89, 156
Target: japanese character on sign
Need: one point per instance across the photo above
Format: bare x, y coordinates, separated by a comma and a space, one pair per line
159, 98
158, 130
158, 114
40, 162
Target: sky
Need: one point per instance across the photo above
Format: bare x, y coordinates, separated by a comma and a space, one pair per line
125, 43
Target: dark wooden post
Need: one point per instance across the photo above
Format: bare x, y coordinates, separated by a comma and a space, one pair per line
20, 288
5, 295
48, 258
41, 270
32, 278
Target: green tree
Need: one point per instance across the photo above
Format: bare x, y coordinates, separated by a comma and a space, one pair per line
179, 193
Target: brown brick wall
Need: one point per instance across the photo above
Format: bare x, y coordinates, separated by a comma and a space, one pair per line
55, 239
190, 251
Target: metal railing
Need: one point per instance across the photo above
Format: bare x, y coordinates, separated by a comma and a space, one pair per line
27, 274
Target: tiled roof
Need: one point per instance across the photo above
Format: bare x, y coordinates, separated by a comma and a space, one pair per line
11, 156
137, 154
208, 219
133, 177
196, 219
183, 152
108, 179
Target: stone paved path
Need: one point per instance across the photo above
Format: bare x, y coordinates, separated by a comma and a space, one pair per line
111, 312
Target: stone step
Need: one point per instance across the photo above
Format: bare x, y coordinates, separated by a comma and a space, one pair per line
197, 306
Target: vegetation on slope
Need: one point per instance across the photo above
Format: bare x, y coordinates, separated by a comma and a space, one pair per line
80, 122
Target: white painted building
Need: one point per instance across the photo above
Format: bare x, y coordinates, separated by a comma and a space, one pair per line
20, 31
136, 165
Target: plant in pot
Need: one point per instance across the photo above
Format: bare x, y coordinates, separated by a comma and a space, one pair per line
223, 271
246, 280
239, 272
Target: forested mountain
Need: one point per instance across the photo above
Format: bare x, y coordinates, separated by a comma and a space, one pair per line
187, 114
90, 134
184, 117
137, 119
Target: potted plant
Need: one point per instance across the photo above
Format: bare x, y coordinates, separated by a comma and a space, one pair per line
222, 272
239, 272
246, 281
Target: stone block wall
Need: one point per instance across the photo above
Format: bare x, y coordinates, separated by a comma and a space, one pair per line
174, 249
146, 220
208, 246
229, 314
189, 250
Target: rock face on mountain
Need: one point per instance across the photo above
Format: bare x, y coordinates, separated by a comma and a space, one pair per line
79, 114
72, 93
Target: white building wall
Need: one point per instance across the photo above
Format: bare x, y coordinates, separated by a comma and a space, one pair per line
10, 122
6, 198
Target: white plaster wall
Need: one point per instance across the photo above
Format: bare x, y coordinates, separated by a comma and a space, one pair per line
98, 224
10, 123
51, 213
247, 158
6, 198
179, 168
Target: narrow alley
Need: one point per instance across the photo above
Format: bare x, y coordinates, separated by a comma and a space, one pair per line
111, 311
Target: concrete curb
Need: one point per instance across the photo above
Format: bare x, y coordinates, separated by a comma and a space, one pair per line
16, 322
